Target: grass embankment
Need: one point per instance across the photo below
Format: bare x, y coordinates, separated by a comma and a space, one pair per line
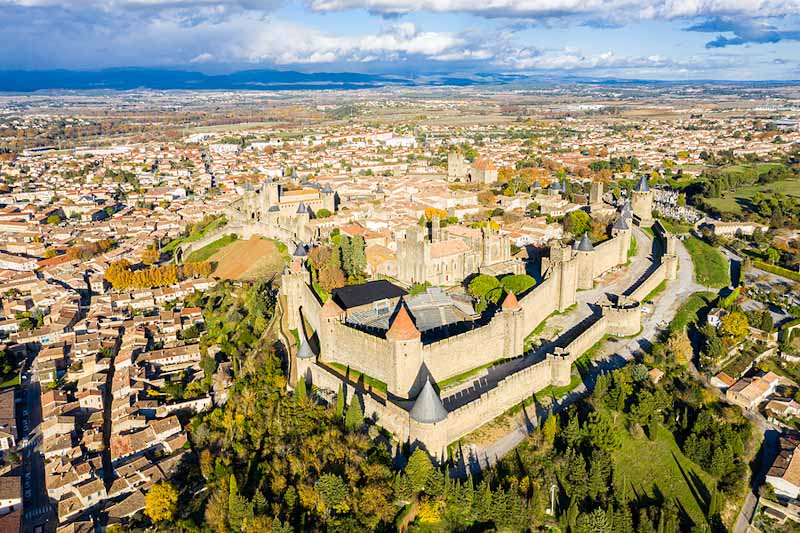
655, 292
12, 381
634, 247
464, 375
204, 253
196, 235
357, 376
710, 266
690, 311
658, 466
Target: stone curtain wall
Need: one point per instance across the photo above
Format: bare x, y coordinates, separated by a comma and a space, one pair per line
650, 284
540, 302
607, 255
359, 350
460, 353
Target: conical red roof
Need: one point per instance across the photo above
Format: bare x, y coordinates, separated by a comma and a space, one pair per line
402, 327
511, 303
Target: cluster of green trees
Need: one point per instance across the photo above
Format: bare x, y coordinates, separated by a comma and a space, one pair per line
616, 164
575, 451
490, 290
343, 261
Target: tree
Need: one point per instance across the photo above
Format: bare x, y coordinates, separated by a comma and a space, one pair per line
54, 219
323, 213
577, 222
339, 410
518, 283
332, 493
301, 391
550, 428
150, 256
773, 255
239, 509
735, 325
354, 418
331, 277
161, 502
418, 469
482, 285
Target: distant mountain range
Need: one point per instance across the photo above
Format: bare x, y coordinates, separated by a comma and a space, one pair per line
125, 79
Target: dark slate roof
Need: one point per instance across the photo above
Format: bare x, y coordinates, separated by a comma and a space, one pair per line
327, 189
428, 407
305, 351
643, 186
537, 184
302, 208
274, 208
621, 224
356, 295
627, 211
300, 251
585, 245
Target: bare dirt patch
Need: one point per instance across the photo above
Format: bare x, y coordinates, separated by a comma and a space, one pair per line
248, 259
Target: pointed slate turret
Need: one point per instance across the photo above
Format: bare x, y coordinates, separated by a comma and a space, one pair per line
402, 327
305, 351
302, 209
620, 224
300, 251
511, 303
627, 210
643, 186
585, 245
537, 184
428, 407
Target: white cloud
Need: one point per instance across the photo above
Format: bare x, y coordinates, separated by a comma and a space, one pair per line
614, 10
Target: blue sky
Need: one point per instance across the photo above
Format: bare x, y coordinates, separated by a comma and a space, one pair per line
653, 39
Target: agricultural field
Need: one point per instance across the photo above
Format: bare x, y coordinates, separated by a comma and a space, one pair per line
247, 259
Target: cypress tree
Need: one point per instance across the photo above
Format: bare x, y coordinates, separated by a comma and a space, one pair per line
301, 391
354, 418
340, 404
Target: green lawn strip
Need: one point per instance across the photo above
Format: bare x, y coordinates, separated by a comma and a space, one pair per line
710, 266
13, 381
647, 466
355, 375
321, 293
777, 270
211, 226
655, 292
205, 253
464, 375
543, 324
689, 312
634, 247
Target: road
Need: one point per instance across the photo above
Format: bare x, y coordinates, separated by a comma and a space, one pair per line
667, 305
37, 510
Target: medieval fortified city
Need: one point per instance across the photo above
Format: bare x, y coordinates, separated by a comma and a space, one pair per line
290, 272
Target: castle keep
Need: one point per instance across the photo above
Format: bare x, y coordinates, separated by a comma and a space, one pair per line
445, 256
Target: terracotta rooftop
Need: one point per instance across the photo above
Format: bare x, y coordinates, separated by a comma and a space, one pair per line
402, 327
484, 164
511, 303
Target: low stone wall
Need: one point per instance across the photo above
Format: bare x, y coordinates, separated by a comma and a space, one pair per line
650, 284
